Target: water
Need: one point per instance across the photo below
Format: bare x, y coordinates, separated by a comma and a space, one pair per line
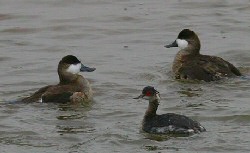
124, 40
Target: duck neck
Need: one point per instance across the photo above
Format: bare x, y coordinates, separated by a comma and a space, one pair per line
194, 47
186, 54
66, 77
152, 107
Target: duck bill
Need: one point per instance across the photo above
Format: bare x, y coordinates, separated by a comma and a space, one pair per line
139, 97
173, 44
86, 69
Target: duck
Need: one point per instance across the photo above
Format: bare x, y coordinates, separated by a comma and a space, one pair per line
189, 64
169, 123
72, 86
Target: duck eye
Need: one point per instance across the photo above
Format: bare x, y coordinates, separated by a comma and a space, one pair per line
148, 93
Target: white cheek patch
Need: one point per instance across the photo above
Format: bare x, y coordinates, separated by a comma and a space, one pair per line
74, 69
182, 43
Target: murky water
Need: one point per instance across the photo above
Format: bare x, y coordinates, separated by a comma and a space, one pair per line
124, 40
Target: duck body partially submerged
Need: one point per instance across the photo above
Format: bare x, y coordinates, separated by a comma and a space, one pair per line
190, 64
71, 88
169, 123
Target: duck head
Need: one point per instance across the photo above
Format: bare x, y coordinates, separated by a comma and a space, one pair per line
69, 67
149, 93
187, 40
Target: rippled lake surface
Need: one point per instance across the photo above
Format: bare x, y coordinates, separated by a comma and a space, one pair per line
124, 40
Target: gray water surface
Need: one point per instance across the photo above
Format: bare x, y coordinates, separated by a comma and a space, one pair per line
124, 40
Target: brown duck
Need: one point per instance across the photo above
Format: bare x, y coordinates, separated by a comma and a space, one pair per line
71, 88
190, 64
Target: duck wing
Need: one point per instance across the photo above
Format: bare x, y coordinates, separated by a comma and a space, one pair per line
215, 64
62, 97
180, 122
207, 68
59, 94
37, 95
171, 124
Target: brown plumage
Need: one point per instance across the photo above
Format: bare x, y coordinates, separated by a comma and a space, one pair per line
72, 86
190, 64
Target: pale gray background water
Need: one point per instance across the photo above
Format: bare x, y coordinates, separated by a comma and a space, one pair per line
124, 40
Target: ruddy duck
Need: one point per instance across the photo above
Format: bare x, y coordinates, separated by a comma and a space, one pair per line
190, 64
169, 123
72, 86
